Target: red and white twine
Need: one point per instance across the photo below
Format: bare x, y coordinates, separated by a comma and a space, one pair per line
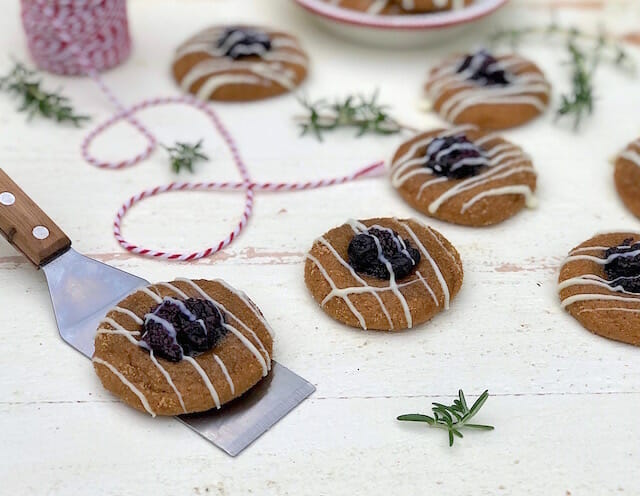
85, 37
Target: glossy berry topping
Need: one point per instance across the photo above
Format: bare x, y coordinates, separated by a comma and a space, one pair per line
243, 42
455, 157
623, 266
370, 252
175, 328
484, 68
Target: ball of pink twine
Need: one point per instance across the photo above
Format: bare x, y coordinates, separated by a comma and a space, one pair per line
71, 36
85, 37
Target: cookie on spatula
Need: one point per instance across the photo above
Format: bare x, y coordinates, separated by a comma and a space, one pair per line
182, 347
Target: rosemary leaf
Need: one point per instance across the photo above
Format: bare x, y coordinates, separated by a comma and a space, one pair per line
452, 418
586, 51
23, 83
184, 155
364, 114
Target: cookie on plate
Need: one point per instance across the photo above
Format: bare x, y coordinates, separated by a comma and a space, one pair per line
464, 175
182, 347
421, 6
373, 7
599, 285
239, 63
383, 274
627, 177
489, 92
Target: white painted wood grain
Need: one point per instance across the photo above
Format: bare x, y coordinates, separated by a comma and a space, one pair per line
565, 403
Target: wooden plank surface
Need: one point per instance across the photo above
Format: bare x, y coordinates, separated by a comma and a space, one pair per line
564, 402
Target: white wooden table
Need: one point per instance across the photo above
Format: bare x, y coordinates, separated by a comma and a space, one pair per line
565, 403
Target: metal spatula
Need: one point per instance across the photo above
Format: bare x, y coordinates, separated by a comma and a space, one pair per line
82, 291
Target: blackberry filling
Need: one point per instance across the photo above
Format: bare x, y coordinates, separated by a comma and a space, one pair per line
485, 69
176, 328
243, 42
368, 252
455, 157
623, 266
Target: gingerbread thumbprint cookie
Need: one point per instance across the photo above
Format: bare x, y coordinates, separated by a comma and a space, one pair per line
464, 175
627, 177
599, 285
489, 92
182, 347
239, 63
423, 6
373, 7
383, 274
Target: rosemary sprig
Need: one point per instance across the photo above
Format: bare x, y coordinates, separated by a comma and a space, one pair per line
23, 82
580, 101
365, 114
585, 53
454, 417
184, 155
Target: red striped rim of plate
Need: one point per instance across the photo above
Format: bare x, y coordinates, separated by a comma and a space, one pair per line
439, 20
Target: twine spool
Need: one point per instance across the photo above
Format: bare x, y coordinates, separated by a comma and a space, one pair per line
73, 37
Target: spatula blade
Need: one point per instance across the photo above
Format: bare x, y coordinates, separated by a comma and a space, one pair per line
241, 422
82, 291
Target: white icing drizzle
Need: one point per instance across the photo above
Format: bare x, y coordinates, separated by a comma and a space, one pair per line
359, 279
358, 227
150, 293
631, 156
266, 365
520, 189
272, 68
205, 379
129, 314
337, 290
215, 82
175, 289
126, 382
428, 288
167, 376
118, 329
377, 6
122, 331
344, 293
249, 345
595, 296
525, 88
410, 153
225, 372
610, 309
505, 159
614, 292
183, 308
432, 262
168, 326
245, 299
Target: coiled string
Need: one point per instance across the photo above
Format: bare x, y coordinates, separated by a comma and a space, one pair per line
86, 37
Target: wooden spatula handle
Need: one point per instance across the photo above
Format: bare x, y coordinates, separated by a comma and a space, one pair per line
26, 226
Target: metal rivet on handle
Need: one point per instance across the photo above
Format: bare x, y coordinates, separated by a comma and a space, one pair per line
7, 198
40, 232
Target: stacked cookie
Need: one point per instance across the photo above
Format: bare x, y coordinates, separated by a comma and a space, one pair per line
400, 7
